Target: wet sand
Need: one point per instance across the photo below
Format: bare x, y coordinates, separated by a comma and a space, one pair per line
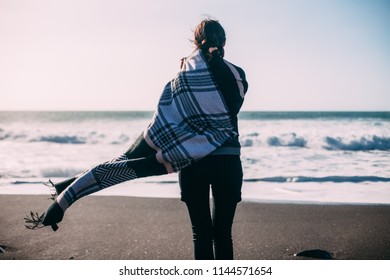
128, 228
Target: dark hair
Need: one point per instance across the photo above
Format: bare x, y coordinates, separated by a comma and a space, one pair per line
210, 33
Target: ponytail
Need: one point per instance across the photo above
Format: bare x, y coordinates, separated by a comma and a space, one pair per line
210, 34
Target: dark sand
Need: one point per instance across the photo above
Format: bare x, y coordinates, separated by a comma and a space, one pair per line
152, 228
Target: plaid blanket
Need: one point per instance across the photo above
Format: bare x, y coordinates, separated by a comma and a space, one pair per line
191, 119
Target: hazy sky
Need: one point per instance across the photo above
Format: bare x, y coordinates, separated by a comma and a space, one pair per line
118, 55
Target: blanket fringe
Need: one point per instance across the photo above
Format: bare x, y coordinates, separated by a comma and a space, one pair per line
34, 221
53, 191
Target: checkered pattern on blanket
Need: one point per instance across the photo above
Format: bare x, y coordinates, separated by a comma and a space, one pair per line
191, 119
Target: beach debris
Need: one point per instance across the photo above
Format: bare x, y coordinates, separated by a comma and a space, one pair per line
316, 254
5, 249
34, 221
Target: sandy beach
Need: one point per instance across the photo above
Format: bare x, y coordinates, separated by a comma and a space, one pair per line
129, 228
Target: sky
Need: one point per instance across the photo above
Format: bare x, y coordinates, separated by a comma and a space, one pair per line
298, 55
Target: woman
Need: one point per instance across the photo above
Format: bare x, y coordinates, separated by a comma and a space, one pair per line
194, 129
222, 168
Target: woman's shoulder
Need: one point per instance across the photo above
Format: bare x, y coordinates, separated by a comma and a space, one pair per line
235, 67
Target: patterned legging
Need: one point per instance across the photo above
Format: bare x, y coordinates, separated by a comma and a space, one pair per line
137, 162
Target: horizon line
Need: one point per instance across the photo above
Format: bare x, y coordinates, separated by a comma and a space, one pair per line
145, 110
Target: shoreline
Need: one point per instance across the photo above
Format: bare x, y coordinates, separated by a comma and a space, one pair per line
135, 228
260, 192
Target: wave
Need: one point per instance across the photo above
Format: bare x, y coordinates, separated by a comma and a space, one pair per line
4, 135
248, 140
61, 139
54, 172
362, 144
86, 138
60, 172
332, 179
26, 182
330, 143
284, 140
290, 140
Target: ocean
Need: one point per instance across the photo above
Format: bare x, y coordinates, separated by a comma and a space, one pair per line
309, 157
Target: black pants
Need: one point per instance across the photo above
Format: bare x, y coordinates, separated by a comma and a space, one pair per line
212, 232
